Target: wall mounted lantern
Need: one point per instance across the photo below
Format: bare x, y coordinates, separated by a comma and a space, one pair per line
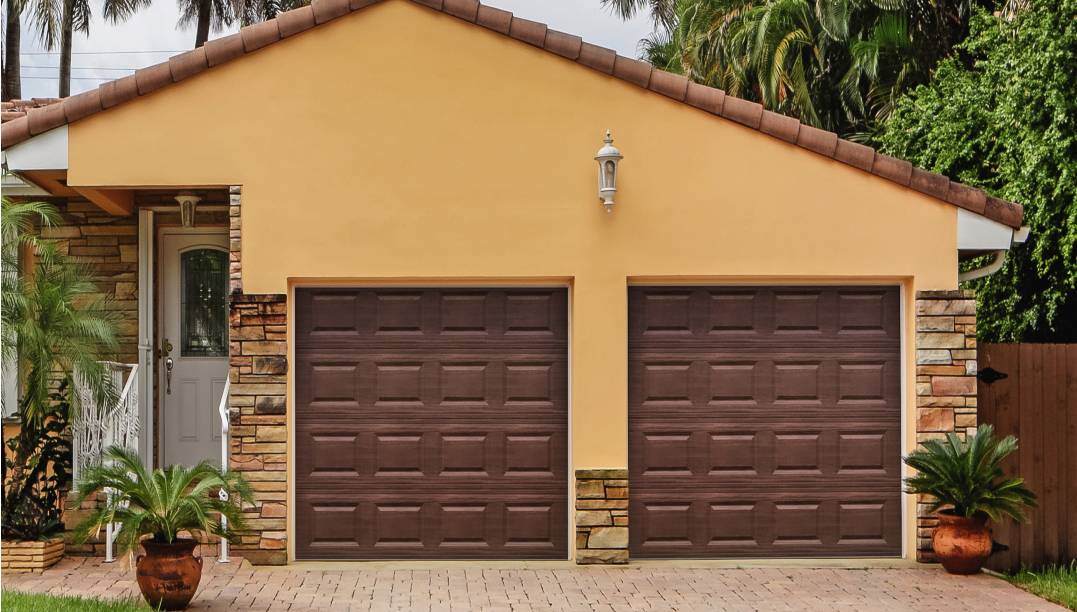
608, 158
188, 203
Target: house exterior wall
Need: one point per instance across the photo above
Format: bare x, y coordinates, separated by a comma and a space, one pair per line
477, 169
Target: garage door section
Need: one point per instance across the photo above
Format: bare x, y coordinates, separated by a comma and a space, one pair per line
431, 424
764, 421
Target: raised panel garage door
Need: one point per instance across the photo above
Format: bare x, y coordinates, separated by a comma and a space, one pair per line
764, 421
431, 423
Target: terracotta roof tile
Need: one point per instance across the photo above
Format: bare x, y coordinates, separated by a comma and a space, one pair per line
930, 183
820, 141
324, 10
670, 85
118, 91
221, 50
153, 77
597, 58
633, 71
45, 114
295, 21
780, 126
743, 112
855, 154
565, 45
494, 18
84, 104
531, 32
468, 10
268, 32
44, 118
964, 196
897, 170
705, 98
188, 64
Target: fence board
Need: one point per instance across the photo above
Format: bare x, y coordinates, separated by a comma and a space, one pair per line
1037, 402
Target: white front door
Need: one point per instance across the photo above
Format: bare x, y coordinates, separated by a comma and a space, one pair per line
193, 340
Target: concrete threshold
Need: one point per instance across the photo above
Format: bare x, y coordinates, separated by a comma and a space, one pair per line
373, 566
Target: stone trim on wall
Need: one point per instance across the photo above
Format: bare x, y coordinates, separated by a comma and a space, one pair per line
235, 245
601, 516
945, 380
258, 349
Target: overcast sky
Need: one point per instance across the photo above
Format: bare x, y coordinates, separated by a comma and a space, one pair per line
152, 36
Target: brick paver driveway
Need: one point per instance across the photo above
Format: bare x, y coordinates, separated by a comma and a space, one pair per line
239, 586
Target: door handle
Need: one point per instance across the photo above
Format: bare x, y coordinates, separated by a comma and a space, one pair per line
168, 375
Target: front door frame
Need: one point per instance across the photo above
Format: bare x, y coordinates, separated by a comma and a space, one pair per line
148, 332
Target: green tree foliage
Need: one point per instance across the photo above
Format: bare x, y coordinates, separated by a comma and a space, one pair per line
835, 64
1005, 119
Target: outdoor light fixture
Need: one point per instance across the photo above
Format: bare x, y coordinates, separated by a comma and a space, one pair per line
188, 203
608, 157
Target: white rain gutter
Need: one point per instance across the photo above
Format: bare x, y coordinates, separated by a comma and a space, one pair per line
974, 235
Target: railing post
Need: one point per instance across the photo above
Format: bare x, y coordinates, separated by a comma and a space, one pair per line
222, 409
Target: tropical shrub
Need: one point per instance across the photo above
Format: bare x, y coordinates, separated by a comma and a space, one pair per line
160, 503
1004, 119
965, 476
37, 470
59, 335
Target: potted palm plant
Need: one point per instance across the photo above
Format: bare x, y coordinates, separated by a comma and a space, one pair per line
965, 480
164, 505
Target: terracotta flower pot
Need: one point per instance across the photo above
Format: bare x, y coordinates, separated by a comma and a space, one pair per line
169, 573
962, 544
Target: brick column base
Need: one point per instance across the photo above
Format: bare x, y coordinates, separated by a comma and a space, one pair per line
601, 516
945, 381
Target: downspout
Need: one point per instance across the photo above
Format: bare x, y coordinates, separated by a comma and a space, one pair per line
993, 266
998, 258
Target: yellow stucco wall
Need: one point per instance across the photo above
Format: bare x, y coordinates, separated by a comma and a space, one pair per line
402, 145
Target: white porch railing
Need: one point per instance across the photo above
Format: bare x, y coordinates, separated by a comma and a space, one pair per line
99, 427
222, 409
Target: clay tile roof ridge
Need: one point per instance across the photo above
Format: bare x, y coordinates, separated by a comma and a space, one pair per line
19, 127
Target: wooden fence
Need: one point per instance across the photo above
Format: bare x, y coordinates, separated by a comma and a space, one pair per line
1030, 391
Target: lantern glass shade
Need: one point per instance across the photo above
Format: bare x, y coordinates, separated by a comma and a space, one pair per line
608, 158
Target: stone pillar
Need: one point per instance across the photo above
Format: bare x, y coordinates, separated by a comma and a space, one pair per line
945, 380
601, 516
258, 349
235, 251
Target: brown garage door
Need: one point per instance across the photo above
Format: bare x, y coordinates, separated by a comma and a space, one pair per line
765, 421
431, 423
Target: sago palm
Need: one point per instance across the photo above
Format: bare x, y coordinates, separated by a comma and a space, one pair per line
966, 477
161, 503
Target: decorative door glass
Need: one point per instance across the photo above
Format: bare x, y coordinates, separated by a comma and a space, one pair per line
204, 320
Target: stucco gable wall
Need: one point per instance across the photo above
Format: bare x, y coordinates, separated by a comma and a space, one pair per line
402, 142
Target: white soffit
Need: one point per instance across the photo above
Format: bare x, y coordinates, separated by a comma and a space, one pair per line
47, 151
978, 233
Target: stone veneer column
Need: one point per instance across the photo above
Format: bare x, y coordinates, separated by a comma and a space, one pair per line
945, 380
258, 359
601, 516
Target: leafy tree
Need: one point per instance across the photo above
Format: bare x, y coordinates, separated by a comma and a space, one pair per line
254, 11
76, 16
836, 64
45, 19
1005, 120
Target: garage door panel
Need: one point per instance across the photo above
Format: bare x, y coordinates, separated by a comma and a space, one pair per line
393, 526
431, 423
803, 315
432, 451
786, 399
430, 316
742, 524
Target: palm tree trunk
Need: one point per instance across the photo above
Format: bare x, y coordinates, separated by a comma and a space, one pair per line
12, 78
65, 47
202, 34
